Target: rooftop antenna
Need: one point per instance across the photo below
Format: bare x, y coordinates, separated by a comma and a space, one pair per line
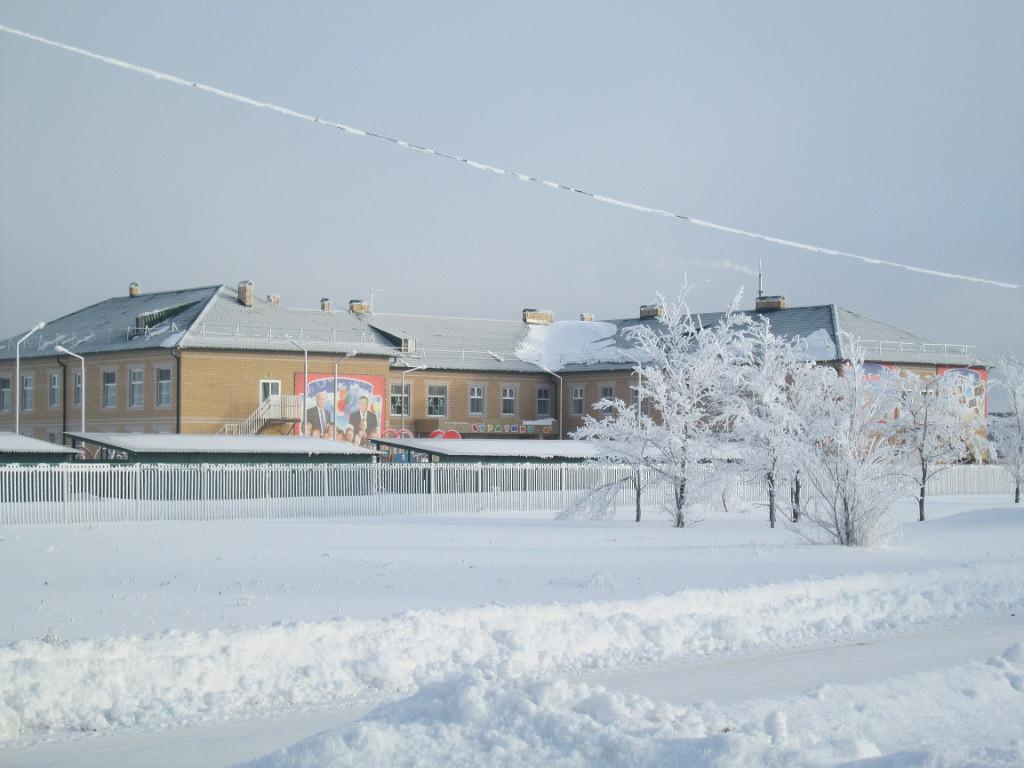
760, 281
372, 292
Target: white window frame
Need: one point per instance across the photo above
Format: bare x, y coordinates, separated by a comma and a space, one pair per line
28, 392
136, 387
163, 388
577, 401
5, 394
108, 390
545, 400
509, 401
477, 393
76, 390
437, 400
53, 391
400, 395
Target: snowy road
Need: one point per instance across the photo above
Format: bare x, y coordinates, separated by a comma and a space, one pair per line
723, 679
776, 674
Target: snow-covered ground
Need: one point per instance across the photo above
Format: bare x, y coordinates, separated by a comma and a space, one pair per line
514, 640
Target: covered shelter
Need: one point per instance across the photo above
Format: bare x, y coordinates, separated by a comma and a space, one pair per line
487, 450
219, 449
18, 449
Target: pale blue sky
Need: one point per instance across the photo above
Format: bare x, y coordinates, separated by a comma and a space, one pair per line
889, 130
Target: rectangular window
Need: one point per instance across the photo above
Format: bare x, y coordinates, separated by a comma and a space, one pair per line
76, 394
476, 400
437, 400
163, 386
607, 393
5, 395
400, 399
28, 393
543, 401
135, 388
576, 401
53, 398
634, 400
508, 401
109, 389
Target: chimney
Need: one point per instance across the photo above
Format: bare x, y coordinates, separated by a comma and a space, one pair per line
769, 303
245, 293
273, 298
134, 289
358, 306
586, 317
538, 316
325, 305
651, 310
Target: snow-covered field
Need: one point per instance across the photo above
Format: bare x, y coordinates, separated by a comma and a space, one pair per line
514, 640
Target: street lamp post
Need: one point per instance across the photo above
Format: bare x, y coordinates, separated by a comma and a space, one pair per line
336, 364
17, 378
305, 379
81, 359
405, 403
559, 400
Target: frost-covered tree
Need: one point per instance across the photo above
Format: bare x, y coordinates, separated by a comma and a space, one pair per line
854, 465
1008, 429
623, 435
932, 429
691, 377
769, 423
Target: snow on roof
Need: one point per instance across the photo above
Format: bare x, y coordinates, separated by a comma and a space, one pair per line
12, 443
278, 444
495, 447
572, 342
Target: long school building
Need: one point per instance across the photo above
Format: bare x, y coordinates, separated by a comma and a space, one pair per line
220, 360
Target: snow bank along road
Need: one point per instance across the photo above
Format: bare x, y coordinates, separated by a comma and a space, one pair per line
727, 678
173, 678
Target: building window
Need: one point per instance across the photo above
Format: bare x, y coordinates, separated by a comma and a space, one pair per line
163, 386
28, 393
5, 395
508, 401
53, 396
576, 401
607, 393
476, 400
109, 389
635, 399
135, 388
76, 390
400, 399
543, 401
437, 400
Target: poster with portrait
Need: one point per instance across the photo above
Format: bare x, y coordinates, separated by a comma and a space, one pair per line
346, 408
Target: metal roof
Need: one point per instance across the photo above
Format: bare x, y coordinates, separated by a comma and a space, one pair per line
494, 448
11, 443
453, 343
292, 445
199, 318
213, 318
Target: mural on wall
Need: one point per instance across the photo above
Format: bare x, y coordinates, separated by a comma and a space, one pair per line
347, 408
972, 389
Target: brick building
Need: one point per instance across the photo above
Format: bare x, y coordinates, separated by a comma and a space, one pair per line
219, 359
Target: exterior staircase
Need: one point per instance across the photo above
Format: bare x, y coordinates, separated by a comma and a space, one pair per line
274, 410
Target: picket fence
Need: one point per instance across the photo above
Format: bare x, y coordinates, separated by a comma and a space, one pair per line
92, 493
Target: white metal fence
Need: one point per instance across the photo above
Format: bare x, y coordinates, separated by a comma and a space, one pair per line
86, 493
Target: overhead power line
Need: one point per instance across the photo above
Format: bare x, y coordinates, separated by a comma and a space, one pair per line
484, 167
